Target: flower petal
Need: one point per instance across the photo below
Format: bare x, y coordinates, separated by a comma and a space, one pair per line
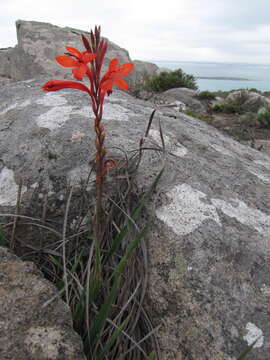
87, 56
74, 51
113, 65
107, 85
79, 71
110, 163
66, 61
122, 84
125, 69
55, 85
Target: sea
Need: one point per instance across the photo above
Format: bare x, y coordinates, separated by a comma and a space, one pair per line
248, 75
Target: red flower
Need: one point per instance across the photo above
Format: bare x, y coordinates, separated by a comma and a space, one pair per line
55, 85
114, 76
79, 63
95, 50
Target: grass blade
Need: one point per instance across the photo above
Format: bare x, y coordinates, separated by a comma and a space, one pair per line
112, 340
101, 317
134, 216
248, 350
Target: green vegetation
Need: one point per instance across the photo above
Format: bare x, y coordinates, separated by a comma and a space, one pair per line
218, 108
196, 116
206, 95
264, 119
169, 80
233, 106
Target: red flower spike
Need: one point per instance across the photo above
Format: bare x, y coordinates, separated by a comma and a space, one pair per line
86, 43
55, 85
96, 48
92, 38
97, 34
114, 76
80, 62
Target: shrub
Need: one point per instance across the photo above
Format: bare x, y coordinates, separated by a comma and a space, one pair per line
206, 95
169, 80
254, 90
218, 107
264, 119
235, 105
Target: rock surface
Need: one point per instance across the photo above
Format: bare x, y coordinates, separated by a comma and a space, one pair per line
39, 43
184, 95
145, 69
28, 329
209, 247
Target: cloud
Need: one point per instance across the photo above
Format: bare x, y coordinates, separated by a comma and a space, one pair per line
202, 30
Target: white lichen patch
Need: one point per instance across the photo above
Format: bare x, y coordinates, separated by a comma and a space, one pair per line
171, 145
15, 106
46, 342
254, 333
115, 112
52, 99
8, 188
110, 112
244, 214
55, 117
187, 211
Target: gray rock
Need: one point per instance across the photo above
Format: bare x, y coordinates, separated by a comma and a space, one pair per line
262, 110
39, 43
145, 69
5, 62
218, 101
186, 96
28, 329
209, 246
162, 69
250, 101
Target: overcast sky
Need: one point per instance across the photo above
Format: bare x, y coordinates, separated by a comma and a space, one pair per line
195, 30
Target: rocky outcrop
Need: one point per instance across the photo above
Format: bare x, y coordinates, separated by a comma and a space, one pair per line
249, 100
31, 326
145, 69
209, 248
5, 64
39, 43
185, 96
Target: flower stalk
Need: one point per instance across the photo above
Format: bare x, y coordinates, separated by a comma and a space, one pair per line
88, 64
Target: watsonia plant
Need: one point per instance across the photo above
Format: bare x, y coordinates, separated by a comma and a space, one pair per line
89, 64
103, 288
